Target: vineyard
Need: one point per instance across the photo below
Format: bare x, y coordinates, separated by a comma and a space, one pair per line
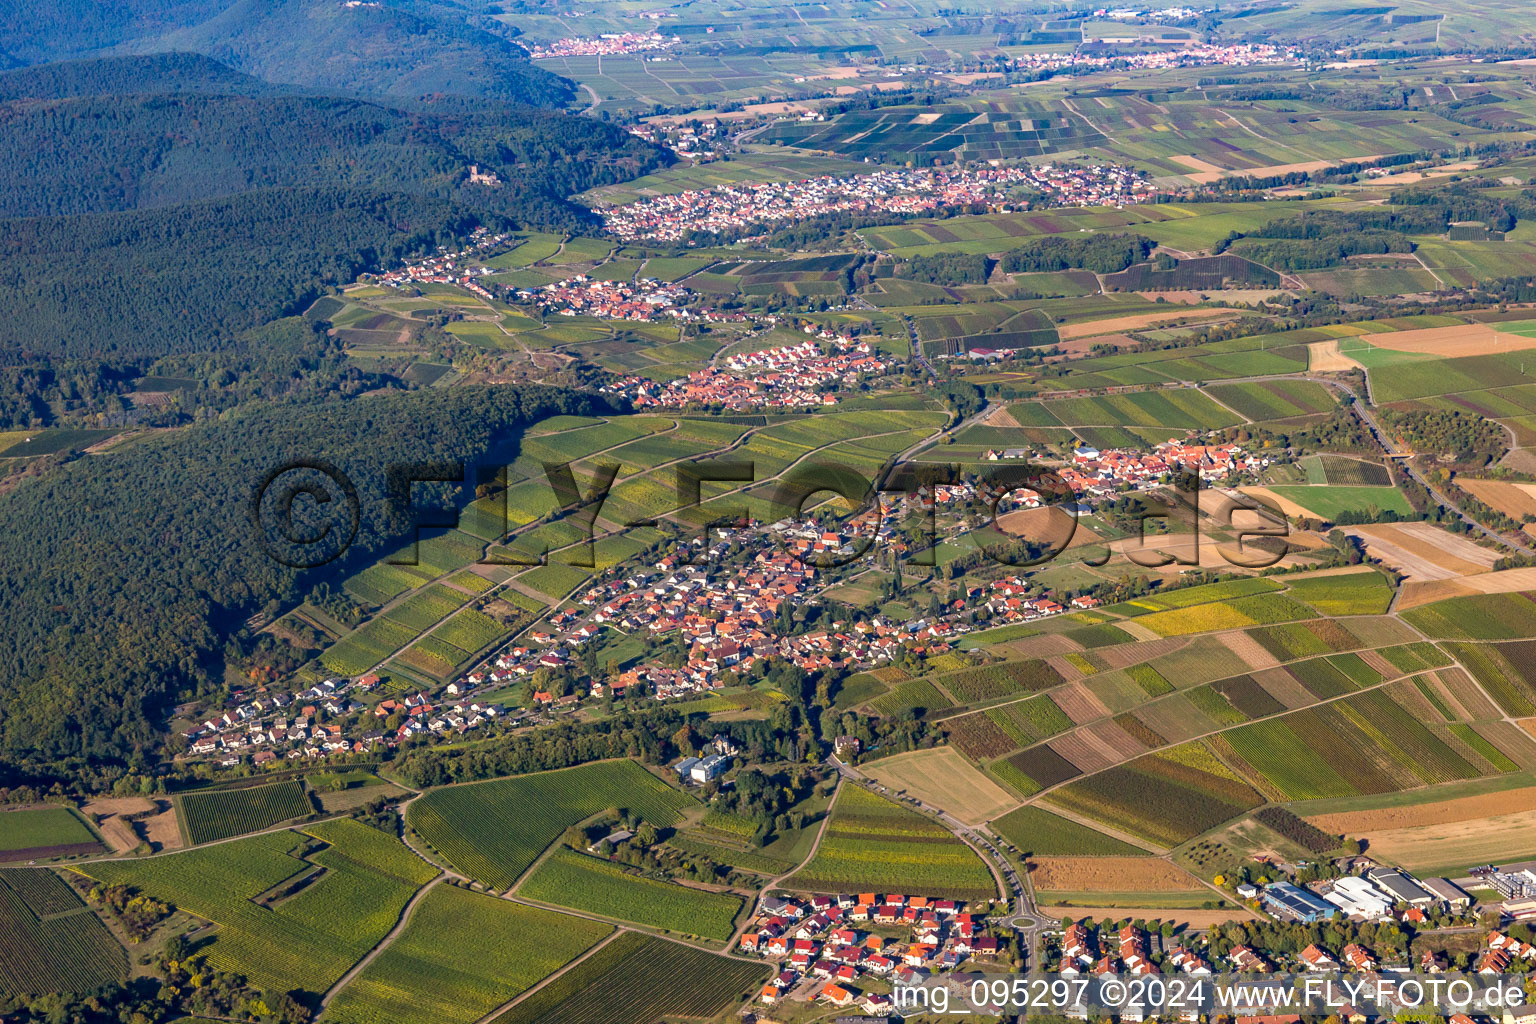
492, 831
222, 813
462, 955
308, 940
1166, 798
569, 879
1478, 617
638, 979
1037, 831
985, 682
978, 736
1356, 593
874, 844
49, 941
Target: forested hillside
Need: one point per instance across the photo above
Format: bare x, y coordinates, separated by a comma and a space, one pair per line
199, 203
123, 574
401, 48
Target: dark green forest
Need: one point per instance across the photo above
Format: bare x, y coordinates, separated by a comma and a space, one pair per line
152, 222
125, 575
405, 48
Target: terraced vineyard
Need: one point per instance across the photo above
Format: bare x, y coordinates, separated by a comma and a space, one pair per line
221, 813
872, 843
492, 831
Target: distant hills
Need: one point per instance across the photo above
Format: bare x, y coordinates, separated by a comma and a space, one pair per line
397, 48
163, 203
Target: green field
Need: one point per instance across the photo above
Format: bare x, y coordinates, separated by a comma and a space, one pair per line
874, 844
1356, 593
492, 831
1328, 501
221, 813
32, 832
570, 879
462, 955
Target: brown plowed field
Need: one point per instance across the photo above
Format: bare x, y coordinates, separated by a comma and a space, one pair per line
1111, 874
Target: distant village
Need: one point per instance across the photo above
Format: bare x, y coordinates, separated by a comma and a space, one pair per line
609, 44
747, 205
791, 377
1194, 55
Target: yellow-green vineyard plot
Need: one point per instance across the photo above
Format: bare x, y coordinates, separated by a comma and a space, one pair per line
492, 831
569, 879
306, 941
1165, 798
874, 844
462, 955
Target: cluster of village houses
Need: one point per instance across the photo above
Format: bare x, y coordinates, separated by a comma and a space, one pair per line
645, 299
609, 44
1193, 55
458, 267
743, 205
325, 719
793, 377
823, 953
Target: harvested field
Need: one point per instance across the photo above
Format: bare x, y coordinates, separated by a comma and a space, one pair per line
943, 778
1466, 695
1111, 874
1285, 505
1325, 357
1089, 752
1080, 703
1512, 499
1126, 655
1189, 918
163, 831
1458, 845
1463, 340
119, 805
1205, 172
1441, 812
1421, 552
1174, 718
1120, 325
1286, 689
119, 834
1049, 526
1046, 645
1251, 651
1505, 581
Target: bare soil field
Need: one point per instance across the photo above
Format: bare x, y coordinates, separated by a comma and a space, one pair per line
1189, 918
1421, 552
1119, 325
1285, 505
1442, 812
943, 778
119, 805
1512, 499
1110, 874
1050, 526
1205, 172
1079, 703
1465, 340
1325, 357
163, 831
1083, 346
1462, 844
119, 834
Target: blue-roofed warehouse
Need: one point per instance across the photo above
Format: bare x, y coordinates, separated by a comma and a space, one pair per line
1295, 904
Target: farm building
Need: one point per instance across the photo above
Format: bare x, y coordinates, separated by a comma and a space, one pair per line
1286, 900
1401, 887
